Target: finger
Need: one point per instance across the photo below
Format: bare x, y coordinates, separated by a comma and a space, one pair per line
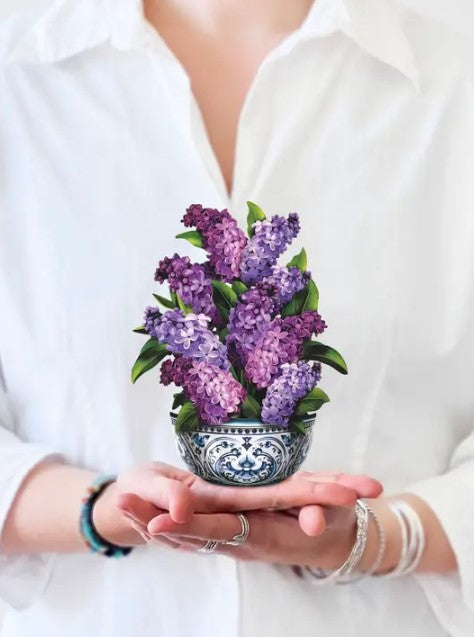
312, 520
182, 542
365, 486
169, 494
140, 530
217, 526
137, 508
160, 540
285, 495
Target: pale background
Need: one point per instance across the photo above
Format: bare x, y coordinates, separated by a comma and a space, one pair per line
459, 13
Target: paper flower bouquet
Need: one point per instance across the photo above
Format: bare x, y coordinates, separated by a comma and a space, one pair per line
236, 335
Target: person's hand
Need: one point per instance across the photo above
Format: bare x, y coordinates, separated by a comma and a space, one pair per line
275, 537
145, 492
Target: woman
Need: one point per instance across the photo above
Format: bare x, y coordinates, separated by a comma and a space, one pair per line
115, 116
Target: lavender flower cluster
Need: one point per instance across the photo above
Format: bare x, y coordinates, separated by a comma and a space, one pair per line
248, 332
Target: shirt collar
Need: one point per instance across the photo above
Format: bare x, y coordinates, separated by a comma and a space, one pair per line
69, 27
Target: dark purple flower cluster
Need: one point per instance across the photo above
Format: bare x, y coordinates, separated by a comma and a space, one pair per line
188, 335
215, 393
270, 239
294, 382
250, 318
222, 238
287, 282
190, 281
174, 370
280, 343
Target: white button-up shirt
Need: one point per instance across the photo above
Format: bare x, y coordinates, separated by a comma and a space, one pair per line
362, 120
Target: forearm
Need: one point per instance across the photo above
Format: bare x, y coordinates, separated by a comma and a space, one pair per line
44, 516
438, 556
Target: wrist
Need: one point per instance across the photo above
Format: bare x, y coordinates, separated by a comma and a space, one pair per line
110, 523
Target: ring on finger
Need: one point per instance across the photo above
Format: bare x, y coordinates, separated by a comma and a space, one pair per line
209, 547
241, 537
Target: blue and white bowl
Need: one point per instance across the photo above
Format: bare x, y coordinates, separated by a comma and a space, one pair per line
244, 452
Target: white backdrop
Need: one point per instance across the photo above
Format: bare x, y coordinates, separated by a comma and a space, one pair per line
459, 13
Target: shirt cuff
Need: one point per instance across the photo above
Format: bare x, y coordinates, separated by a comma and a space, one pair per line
451, 595
22, 577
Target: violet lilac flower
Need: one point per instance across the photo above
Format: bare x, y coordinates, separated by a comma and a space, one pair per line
270, 239
151, 320
280, 343
223, 240
294, 382
287, 281
214, 392
188, 335
250, 318
190, 281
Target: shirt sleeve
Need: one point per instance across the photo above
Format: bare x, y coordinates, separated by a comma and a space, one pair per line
451, 497
22, 577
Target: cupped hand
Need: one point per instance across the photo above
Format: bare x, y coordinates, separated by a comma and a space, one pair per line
145, 493
275, 536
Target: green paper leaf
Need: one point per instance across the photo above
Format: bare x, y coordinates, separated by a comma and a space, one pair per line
223, 335
299, 261
234, 373
299, 426
303, 301
250, 408
164, 301
239, 287
316, 351
178, 400
186, 309
193, 236
187, 418
150, 355
311, 402
224, 297
312, 297
295, 305
255, 214
140, 330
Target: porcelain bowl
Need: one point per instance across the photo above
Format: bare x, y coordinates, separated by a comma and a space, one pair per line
244, 452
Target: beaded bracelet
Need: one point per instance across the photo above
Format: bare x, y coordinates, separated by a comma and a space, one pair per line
93, 540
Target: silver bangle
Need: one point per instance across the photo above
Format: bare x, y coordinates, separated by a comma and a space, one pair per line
380, 550
412, 537
321, 577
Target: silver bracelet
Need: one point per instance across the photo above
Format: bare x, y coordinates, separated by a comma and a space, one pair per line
380, 551
417, 535
322, 577
412, 536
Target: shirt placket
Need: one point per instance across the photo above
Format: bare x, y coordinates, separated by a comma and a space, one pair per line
247, 158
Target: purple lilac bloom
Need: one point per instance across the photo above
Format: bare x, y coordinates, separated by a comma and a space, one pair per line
270, 239
151, 320
190, 281
215, 392
294, 382
222, 238
250, 317
174, 370
280, 343
188, 335
287, 281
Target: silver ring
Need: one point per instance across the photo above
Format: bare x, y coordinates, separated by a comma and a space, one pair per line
209, 547
241, 537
